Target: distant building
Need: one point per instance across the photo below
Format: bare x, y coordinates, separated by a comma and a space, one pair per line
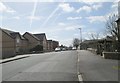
55, 44
88, 44
50, 45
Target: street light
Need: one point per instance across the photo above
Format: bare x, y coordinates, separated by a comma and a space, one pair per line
80, 35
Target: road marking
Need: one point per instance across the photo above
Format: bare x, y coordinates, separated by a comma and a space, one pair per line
80, 77
78, 60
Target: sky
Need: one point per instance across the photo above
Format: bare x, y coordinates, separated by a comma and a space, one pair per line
60, 20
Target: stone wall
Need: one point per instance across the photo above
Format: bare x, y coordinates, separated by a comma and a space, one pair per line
111, 55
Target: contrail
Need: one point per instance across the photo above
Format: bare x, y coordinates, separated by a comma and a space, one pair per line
33, 12
50, 16
57, 17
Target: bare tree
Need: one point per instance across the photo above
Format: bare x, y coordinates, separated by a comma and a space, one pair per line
76, 42
111, 25
112, 29
94, 36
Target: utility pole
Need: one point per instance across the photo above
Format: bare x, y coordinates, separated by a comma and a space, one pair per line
80, 36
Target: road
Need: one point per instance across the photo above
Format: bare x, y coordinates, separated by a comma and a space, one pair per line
61, 66
54, 66
95, 68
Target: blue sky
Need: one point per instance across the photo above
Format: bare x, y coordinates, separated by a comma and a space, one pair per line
59, 20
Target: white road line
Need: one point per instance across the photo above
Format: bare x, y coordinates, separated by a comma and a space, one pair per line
80, 78
78, 60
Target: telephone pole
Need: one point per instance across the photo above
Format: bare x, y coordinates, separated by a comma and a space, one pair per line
80, 35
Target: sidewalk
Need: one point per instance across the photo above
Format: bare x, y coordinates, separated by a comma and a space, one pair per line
14, 58
95, 68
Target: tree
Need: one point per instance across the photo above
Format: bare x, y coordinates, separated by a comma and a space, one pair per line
94, 36
112, 29
76, 42
37, 48
111, 25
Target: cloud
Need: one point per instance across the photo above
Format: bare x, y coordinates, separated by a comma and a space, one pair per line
16, 17
66, 42
89, 8
74, 27
74, 18
33, 13
66, 7
84, 8
34, 17
6, 9
94, 1
93, 19
61, 24
50, 16
97, 6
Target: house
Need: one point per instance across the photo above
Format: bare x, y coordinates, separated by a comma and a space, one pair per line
88, 44
50, 45
33, 41
20, 42
42, 39
55, 44
118, 25
7, 45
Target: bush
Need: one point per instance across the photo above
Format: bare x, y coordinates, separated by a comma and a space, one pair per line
37, 48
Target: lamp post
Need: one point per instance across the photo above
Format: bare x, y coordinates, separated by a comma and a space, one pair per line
80, 36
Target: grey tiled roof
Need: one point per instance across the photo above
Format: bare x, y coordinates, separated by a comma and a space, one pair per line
13, 34
31, 35
40, 36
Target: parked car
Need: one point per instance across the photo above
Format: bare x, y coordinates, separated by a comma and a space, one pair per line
57, 49
63, 49
74, 48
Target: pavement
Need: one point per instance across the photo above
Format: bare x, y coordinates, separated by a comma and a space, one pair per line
14, 58
95, 68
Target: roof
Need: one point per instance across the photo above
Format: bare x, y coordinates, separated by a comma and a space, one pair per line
31, 35
40, 36
49, 41
13, 34
89, 41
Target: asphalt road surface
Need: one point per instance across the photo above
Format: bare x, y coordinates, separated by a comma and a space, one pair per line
54, 66
61, 66
95, 68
